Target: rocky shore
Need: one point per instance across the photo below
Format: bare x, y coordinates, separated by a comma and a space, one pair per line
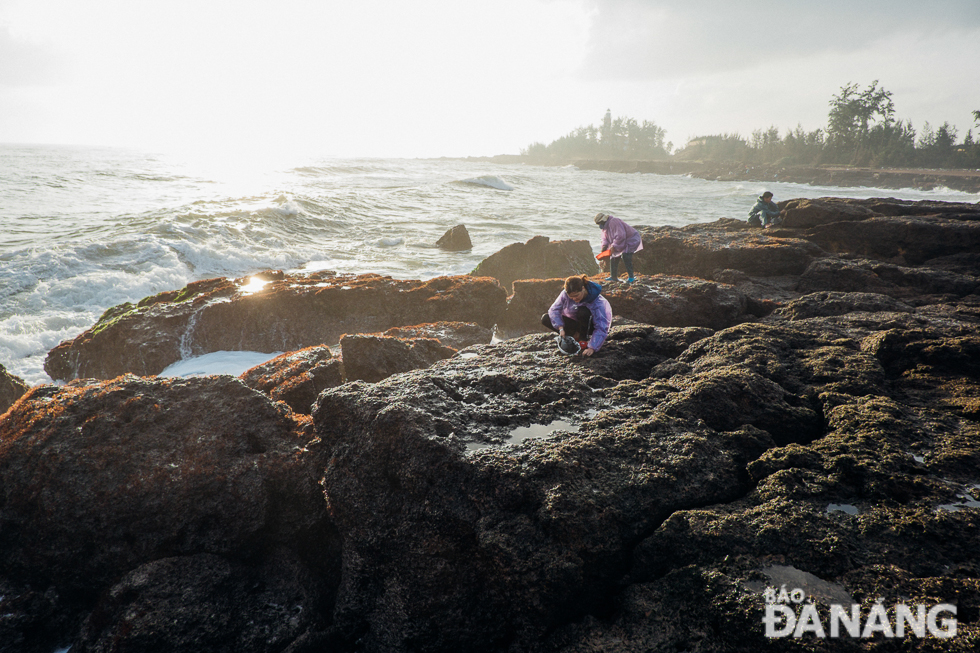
778, 414
822, 175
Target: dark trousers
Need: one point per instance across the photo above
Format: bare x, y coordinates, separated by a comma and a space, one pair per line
614, 265
580, 327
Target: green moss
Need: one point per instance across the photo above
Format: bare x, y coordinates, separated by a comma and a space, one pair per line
113, 315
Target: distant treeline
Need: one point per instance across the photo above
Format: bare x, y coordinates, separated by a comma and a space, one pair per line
622, 138
861, 131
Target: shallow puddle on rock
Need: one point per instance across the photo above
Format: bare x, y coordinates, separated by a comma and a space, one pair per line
533, 432
965, 499
791, 578
842, 507
522, 433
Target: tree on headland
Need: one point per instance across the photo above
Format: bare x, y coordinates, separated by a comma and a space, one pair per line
717, 147
622, 138
862, 130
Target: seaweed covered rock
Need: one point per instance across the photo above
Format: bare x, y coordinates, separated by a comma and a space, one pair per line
268, 312
881, 508
11, 389
297, 377
101, 478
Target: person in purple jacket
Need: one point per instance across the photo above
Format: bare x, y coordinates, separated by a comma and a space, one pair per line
580, 312
622, 241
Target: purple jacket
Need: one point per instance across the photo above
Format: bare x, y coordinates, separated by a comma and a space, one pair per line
601, 315
620, 237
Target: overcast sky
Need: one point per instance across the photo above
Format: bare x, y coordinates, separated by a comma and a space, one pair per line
453, 78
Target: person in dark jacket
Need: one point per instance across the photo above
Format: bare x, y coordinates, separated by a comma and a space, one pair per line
765, 213
580, 312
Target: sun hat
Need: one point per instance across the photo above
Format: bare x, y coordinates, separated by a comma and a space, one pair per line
600, 218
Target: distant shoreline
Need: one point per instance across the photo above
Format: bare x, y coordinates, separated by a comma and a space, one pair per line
966, 180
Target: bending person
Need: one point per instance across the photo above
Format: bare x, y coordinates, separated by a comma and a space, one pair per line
580, 312
622, 241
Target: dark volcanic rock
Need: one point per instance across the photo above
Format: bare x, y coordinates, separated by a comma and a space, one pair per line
204, 602
875, 509
98, 479
911, 283
291, 312
538, 258
297, 377
373, 358
11, 389
456, 239
457, 537
824, 304
807, 213
702, 249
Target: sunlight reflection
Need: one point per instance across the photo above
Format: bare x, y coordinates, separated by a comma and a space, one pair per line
253, 286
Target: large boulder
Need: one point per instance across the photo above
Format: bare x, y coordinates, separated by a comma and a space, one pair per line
287, 313
538, 258
701, 250
918, 283
807, 213
456, 239
374, 357
99, 479
906, 240
12, 388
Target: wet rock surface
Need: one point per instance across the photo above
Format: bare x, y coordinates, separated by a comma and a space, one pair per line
297, 377
99, 478
767, 410
287, 313
12, 388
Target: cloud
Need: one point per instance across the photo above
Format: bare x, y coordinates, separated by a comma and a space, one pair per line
23, 63
663, 39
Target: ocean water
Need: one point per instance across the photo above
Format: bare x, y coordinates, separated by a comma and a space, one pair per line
84, 229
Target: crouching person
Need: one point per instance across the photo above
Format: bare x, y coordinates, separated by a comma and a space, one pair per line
580, 312
765, 213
